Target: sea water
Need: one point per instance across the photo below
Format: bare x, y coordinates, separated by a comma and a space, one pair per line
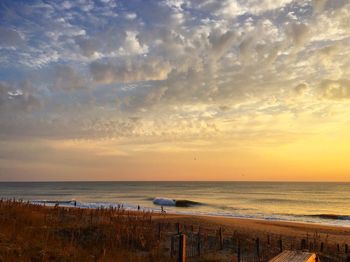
325, 203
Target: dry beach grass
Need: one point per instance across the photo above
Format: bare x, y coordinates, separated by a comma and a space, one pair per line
37, 233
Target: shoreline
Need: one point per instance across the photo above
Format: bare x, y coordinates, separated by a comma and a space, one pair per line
156, 209
219, 217
256, 219
280, 227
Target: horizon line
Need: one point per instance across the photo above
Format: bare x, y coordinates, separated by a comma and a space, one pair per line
176, 181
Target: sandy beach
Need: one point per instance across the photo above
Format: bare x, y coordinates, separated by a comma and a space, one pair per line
257, 226
75, 234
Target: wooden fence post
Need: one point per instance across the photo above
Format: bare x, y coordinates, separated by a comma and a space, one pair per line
233, 242
221, 239
182, 248
239, 251
280, 244
159, 231
303, 244
178, 228
311, 246
199, 244
257, 247
171, 246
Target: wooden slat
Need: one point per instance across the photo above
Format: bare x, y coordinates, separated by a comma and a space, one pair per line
294, 256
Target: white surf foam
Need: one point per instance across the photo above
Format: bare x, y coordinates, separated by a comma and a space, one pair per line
171, 203
164, 201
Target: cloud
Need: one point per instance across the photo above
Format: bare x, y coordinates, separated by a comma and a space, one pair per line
298, 33
9, 37
172, 61
88, 47
319, 5
231, 9
67, 78
335, 89
136, 71
221, 43
16, 99
327, 54
132, 44
301, 88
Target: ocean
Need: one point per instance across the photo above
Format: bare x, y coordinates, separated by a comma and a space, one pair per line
325, 203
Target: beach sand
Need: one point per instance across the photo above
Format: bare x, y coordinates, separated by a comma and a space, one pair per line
74, 234
336, 234
329, 242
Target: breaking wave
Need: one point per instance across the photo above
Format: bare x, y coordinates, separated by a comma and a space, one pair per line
331, 216
175, 202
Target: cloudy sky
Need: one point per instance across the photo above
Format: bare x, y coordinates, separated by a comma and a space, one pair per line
175, 90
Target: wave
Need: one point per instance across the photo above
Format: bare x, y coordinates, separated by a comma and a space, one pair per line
331, 219
53, 202
281, 200
175, 202
187, 203
78, 204
321, 216
330, 216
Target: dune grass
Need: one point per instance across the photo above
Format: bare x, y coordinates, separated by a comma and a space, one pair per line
37, 233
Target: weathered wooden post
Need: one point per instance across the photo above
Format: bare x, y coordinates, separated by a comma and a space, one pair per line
346, 248
178, 228
239, 251
303, 244
233, 242
221, 239
280, 244
182, 248
257, 247
311, 246
159, 231
338, 248
322, 246
199, 243
172, 246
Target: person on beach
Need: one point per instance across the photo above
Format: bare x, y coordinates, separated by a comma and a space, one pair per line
138, 207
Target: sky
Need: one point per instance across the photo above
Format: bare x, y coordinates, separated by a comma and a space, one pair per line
175, 90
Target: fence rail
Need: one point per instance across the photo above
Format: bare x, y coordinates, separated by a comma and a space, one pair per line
201, 241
